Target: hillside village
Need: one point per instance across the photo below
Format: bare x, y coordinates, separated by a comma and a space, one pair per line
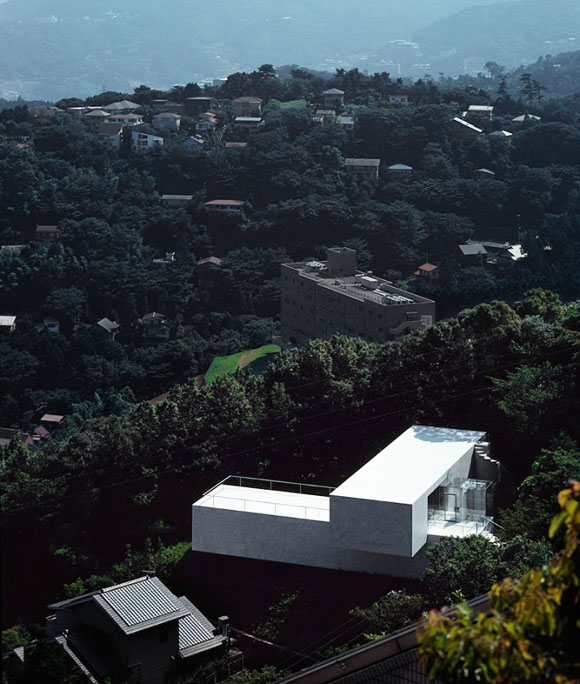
410, 251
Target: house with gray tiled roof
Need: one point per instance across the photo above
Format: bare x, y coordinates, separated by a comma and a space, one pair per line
137, 631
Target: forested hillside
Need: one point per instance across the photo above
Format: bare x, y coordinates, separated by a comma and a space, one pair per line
110, 493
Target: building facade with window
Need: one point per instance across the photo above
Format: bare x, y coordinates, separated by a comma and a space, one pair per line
321, 298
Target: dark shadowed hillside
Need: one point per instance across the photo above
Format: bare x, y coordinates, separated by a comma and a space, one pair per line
511, 33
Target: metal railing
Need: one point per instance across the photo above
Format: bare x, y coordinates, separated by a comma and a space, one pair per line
268, 507
281, 485
471, 524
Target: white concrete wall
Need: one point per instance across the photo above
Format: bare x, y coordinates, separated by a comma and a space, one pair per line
290, 540
371, 526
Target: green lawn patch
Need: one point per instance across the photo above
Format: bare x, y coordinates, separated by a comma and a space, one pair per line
232, 363
293, 104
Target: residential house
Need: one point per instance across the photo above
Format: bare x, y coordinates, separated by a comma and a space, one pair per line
428, 484
112, 134
7, 435
53, 420
51, 325
122, 107
137, 632
472, 253
76, 112
168, 259
156, 326
501, 253
167, 122
219, 82
236, 145
249, 124
247, 106
46, 232
324, 117
7, 324
225, 205
322, 298
482, 114
109, 326
365, 169
398, 100
206, 122
463, 130
144, 141
176, 200
333, 98
427, 271
196, 105
41, 432
347, 121
95, 118
399, 168
166, 106
484, 174
129, 119
522, 119
193, 144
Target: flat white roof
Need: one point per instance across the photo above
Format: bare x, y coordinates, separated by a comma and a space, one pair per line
267, 502
410, 466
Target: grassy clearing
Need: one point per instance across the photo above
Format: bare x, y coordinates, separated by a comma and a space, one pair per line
230, 364
293, 104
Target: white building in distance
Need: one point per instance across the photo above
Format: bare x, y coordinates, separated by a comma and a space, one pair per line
429, 483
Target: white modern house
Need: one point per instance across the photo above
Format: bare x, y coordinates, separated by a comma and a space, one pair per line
429, 483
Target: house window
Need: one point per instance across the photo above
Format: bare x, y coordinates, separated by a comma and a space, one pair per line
163, 636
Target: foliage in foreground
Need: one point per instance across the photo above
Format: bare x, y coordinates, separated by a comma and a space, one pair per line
531, 633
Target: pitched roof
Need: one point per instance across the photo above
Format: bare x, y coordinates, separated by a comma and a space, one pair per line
7, 321
176, 198
151, 316
236, 144
523, 117
333, 91
146, 602
210, 260
472, 249
167, 115
46, 229
42, 431
427, 267
225, 203
466, 124
248, 119
400, 167
123, 104
486, 171
480, 108
108, 324
51, 418
159, 398
500, 134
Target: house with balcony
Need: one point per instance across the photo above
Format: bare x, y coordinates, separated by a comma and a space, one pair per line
429, 483
141, 142
111, 133
138, 632
130, 119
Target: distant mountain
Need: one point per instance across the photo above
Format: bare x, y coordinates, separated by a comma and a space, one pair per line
510, 33
55, 48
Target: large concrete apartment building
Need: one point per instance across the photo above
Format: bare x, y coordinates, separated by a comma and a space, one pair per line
321, 298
